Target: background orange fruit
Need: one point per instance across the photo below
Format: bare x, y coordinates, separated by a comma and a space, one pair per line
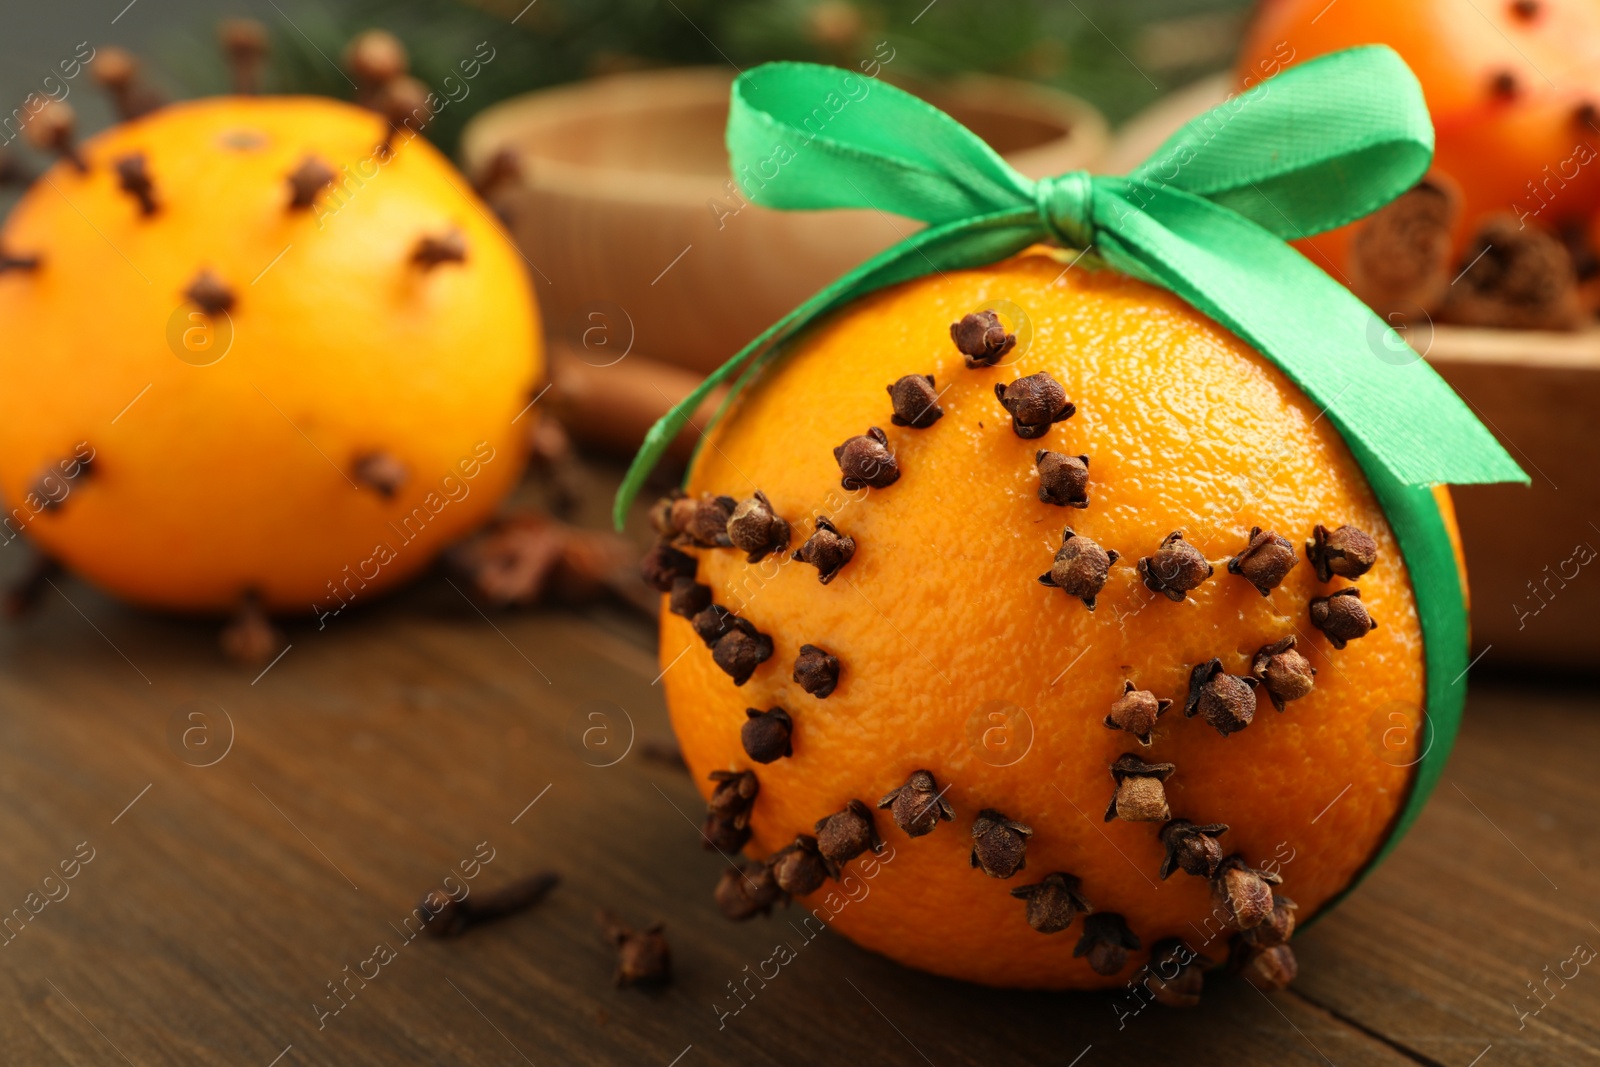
939, 620
211, 481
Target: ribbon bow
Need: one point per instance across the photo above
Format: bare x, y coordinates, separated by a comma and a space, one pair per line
1317, 146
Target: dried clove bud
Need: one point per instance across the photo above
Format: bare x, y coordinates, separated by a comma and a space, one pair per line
765, 734
503, 169
747, 891
846, 834
916, 402
1342, 616
1225, 701
741, 650
663, 514
711, 624
826, 549
375, 58
1035, 403
1136, 711
663, 565
1276, 928
209, 294
382, 473
706, 522
1503, 85
133, 177
1284, 673
249, 638
982, 338
245, 43
800, 869
643, 957
306, 181
1106, 941
1080, 567
816, 671
1175, 568
867, 461
1053, 902
446, 916
404, 102
10, 262
1190, 848
754, 528
1244, 891
999, 844
1140, 796
1063, 479
918, 805
727, 823
52, 130
689, 597
117, 71
1347, 552
430, 252
1526, 10
1265, 560
1271, 969
1179, 972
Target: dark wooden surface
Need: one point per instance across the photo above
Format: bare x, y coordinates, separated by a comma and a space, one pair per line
379, 753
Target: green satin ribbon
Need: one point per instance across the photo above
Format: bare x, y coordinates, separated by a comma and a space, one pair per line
1207, 216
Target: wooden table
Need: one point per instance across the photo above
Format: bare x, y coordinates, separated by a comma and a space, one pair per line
378, 754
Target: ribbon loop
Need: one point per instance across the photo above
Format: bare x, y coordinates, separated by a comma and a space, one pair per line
1066, 206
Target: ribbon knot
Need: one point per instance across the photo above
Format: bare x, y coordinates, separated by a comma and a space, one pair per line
1066, 205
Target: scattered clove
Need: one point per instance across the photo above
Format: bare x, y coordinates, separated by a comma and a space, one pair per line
688, 597
249, 638
1053, 902
999, 844
1140, 795
727, 822
51, 130
1063, 479
307, 180
663, 565
800, 869
430, 252
1136, 711
747, 891
448, 917
916, 402
846, 834
1284, 673
210, 294
741, 650
1035, 403
382, 473
918, 805
133, 177
1106, 941
1265, 560
643, 957
1271, 969
1080, 567
1190, 848
1179, 973
766, 734
816, 671
982, 338
705, 521
1346, 551
826, 549
1342, 616
1175, 568
1225, 701
1244, 891
245, 43
755, 529
866, 461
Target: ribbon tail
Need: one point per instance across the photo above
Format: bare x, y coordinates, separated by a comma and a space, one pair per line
957, 245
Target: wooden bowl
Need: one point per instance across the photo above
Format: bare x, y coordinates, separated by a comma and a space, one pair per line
638, 242
1531, 551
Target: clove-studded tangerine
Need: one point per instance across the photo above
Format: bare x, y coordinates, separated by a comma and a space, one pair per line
254, 334
974, 698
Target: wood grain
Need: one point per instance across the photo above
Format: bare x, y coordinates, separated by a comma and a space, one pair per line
378, 753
